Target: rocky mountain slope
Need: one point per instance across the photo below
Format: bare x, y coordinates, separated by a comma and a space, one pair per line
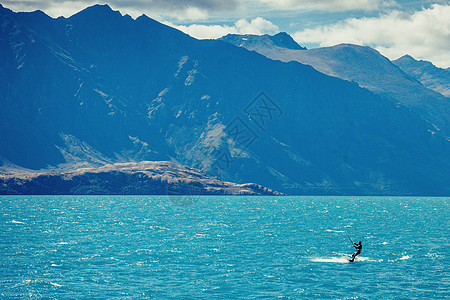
144, 178
425, 72
280, 40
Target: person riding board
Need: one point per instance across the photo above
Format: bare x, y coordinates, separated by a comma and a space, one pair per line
358, 248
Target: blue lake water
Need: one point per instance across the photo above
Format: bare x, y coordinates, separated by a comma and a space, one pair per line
126, 247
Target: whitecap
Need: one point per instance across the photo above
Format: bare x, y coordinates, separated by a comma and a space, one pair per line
17, 222
341, 260
364, 258
55, 284
404, 257
24, 282
432, 255
337, 231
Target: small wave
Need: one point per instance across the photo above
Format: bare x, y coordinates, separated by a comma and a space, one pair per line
432, 255
156, 227
144, 250
24, 282
384, 243
340, 260
201, 235
55, 284
17, 222
363, 258
331, 230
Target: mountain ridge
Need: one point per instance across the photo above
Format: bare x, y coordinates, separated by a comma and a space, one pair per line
282, 40
425, 72
369, 69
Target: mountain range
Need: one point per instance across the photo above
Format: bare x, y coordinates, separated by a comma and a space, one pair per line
417, 85
101, 88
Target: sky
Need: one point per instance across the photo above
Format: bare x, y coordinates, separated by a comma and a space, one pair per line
393, 27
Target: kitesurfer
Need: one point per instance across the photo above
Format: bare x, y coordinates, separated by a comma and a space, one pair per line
358, 248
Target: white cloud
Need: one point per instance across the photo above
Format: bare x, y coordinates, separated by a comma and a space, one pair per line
192, 13
329, 5
242, 26
424, 34
181, 10
255, 26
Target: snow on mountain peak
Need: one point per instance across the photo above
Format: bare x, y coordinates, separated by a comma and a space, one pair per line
280, 40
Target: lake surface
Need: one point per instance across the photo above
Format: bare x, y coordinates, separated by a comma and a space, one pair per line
126, 247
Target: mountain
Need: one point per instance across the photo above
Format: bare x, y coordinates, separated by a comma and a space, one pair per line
425, 72
368, 68
100, 88
143, 178
251, 41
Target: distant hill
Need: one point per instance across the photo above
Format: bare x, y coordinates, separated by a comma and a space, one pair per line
144, 178
100, 88
425, 72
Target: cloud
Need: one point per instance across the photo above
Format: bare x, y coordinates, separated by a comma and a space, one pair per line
424, 34
255, 26
329, 5
180, 9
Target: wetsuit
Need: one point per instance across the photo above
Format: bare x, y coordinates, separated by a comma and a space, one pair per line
358, 250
